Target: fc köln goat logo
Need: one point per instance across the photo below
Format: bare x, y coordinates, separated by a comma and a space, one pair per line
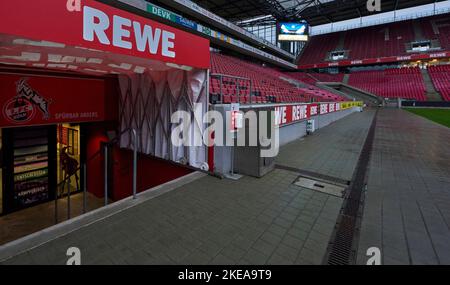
22, 108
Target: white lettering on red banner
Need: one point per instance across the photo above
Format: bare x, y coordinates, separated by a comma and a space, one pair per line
280, 115
313, 110
323, 109
299, 112
93, 25
331, 107
146, 38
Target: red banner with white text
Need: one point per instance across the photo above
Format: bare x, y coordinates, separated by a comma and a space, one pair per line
101, 27
288, 114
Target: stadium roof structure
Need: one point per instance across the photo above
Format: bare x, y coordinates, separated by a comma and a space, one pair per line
316, 12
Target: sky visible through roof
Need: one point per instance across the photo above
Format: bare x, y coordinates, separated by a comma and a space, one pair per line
403, 14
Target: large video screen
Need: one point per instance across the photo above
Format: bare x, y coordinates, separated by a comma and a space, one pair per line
293, 31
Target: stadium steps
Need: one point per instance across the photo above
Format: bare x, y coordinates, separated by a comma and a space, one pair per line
432, 94
418, 33
346, 78
332, 87
314, 78
341, 42
354, 92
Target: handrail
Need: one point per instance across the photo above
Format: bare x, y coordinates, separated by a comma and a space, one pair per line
67, 179
222, 76
110, 142
229, 76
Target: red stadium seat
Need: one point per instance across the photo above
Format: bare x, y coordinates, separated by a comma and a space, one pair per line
266, 81
404, 83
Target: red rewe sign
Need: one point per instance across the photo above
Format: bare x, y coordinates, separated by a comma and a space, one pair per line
38, 100
293, 113
101, 27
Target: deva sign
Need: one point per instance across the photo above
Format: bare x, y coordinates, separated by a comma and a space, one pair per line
125, 33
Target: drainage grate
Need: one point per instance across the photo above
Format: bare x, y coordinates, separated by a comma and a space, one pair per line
313, 175
321, 186
342, 248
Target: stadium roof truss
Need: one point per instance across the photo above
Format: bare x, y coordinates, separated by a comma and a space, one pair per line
248, 13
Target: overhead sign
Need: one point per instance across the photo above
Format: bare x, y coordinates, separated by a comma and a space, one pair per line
101, 27
38, 100
206, 13
171, 16
289, 31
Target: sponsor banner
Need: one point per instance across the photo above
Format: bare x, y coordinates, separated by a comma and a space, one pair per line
377, 60
313, 110
161, 12
37, 100
194, 7
102, 27
294, 113
323, 109
348, 105
168, 15
186, 23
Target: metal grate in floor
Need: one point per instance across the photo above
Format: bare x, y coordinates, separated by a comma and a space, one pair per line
321, 186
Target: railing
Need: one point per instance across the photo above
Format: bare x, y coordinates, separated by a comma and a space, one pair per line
236, 80
83, 168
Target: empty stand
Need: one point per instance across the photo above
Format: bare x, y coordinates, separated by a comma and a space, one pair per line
385, 40
406, 83
318, 48
242, 79
379, 41
303, 77
328, 77
437, 28
440, 75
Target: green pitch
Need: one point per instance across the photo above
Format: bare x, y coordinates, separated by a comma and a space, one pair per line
440, 116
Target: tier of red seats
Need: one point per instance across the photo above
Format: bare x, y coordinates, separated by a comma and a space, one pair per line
303, 77
266, 83
406, 83
318, 47
437, 28
378, 41
328, 77
440, 75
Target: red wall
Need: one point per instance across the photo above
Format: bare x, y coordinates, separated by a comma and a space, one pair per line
112, 99
95, 135
151, 172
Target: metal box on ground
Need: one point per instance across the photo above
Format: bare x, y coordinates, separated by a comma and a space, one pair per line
248, 160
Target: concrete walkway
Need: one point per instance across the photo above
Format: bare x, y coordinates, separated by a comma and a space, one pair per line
407, 205
211, 221
272, 221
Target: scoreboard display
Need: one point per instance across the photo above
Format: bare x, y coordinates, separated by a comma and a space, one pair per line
293, 31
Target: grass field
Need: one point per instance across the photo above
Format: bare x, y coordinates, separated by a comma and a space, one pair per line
440, 116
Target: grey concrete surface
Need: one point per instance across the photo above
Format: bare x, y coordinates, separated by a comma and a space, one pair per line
407, 204
212, 221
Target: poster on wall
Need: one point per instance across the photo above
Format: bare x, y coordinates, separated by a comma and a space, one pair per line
39, 100
31, 181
